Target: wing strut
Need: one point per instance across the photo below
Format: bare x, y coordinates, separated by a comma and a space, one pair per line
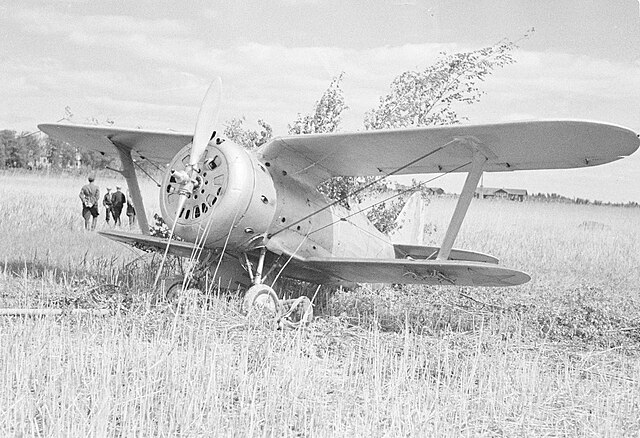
470, 184
129, 173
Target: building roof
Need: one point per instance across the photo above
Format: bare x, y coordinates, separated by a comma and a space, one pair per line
495, 190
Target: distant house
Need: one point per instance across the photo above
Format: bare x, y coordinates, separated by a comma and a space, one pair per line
492, 192
433, 190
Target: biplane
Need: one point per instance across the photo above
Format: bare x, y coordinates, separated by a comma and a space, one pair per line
249, 214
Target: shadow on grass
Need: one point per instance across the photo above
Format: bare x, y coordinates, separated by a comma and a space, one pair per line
137, 274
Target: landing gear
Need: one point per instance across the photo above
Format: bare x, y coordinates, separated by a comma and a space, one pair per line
262, 300
170, 288
172, 292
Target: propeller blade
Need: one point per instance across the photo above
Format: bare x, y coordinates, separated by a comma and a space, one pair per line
205, 125
207, 120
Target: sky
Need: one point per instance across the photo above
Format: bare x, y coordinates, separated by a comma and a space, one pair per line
148, 64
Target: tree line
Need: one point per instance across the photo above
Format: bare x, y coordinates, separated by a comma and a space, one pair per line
38, 151
555, 197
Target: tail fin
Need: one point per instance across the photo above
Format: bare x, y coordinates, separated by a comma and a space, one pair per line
410, 222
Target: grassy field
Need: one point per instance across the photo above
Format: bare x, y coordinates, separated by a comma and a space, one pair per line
558, 356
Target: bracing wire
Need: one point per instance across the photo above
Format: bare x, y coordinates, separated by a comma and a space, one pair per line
153, 163
146, 173
388, 198
366, 186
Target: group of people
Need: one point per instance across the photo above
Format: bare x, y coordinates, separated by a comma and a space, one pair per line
113, 203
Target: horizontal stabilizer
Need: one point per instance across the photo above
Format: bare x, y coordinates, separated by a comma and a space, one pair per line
150, 243
420, 252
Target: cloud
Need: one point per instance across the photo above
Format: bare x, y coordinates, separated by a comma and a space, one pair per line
164, 62
50, 21
557, 85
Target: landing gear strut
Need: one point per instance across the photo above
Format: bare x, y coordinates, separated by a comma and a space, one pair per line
262, 300
170, 289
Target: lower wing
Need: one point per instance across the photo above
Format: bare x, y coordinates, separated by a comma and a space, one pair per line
151, 243
403, 271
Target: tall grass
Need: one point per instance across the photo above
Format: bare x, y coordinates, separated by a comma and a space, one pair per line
555, 357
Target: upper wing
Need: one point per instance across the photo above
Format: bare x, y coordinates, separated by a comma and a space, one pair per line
507, 146
153, 145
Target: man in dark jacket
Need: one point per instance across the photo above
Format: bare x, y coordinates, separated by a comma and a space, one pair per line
117, 202
106, 201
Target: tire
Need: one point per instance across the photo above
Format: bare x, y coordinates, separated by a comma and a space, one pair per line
261, 299
169, 290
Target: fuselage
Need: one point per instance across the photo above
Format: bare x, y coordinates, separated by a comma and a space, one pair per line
307, 223
243, 204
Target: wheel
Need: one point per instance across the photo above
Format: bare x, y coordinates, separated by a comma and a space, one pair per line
170, 288
297, 312
261, 299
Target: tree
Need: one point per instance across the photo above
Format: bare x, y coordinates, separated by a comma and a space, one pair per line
59, 153
96, 160
235, 131
327, 114
429, 96
30, 149
13, 149
8, 143
326, 117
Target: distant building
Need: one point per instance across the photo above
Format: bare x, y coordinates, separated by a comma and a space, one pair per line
492, 192
433, 190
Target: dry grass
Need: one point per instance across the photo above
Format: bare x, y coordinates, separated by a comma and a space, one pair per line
555, 357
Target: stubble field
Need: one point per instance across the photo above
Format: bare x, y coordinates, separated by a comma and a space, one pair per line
558, 356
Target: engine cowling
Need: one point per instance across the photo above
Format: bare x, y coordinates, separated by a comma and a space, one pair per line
235, 197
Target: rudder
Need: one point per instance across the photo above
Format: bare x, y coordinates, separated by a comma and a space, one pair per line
410, 222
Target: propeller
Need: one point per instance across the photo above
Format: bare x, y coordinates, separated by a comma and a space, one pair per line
188, 179
205, 125
207, 121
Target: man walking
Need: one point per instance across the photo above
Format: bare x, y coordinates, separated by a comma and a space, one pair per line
131, 211
117, 202
90, 195
106, 201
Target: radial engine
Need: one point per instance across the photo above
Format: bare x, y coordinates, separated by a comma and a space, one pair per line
233, 201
